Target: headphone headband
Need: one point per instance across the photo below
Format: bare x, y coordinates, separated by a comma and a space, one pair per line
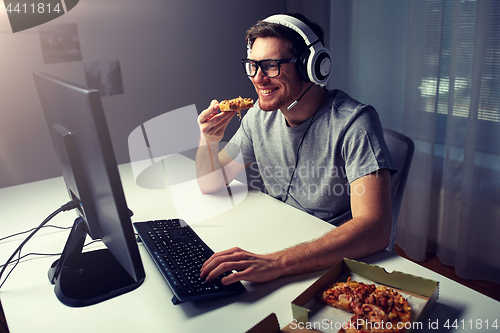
295, 24
315, 65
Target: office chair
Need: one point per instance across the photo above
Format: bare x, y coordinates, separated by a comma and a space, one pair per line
402, 149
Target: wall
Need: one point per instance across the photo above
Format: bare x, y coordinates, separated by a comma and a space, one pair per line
171, 54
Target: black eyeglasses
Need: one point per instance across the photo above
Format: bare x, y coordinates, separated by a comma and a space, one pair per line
270, 67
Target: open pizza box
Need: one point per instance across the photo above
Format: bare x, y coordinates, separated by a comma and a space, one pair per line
311, 316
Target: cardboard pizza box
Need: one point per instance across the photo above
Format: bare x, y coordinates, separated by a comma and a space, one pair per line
269, 324
311, 316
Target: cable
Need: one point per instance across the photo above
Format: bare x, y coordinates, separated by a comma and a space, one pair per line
15, 261
15, 265
298, 150
18, 260
25, 232
3, 321
67, 206
297, 100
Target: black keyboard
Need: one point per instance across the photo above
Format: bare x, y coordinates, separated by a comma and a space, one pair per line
179, 254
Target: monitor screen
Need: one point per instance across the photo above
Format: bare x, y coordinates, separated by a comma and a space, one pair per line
79, 132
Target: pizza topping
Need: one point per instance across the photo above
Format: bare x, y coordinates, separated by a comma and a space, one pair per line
236, 104
346, 296
376, 309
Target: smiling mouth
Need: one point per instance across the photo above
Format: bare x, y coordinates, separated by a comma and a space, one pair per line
267, 91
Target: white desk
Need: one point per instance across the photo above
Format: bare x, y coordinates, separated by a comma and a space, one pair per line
259, 223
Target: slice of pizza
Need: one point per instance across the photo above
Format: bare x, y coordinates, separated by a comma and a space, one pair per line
347, 296
236, 104
393, 304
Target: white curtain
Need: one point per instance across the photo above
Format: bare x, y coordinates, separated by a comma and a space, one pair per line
432, 70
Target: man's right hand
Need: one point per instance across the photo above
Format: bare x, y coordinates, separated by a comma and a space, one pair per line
208, 159
213, 123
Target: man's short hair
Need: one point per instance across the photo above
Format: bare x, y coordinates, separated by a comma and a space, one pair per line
297, 45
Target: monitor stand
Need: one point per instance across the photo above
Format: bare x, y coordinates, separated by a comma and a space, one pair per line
85, 278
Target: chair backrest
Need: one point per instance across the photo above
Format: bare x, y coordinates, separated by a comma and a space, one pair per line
402, 149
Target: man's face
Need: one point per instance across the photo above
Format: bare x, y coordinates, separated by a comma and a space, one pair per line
277, 92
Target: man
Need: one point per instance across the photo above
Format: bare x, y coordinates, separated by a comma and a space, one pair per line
325, 155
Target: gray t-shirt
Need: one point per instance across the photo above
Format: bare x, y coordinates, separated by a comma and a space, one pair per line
343, 141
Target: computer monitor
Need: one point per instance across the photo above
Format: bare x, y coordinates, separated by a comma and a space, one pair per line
77, 125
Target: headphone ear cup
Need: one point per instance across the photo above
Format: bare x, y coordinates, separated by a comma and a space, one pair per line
301, 66
321, 67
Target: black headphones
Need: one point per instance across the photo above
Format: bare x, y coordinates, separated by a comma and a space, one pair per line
315, 65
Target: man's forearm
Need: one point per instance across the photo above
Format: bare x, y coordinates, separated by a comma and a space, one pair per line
208, 169
354, 239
